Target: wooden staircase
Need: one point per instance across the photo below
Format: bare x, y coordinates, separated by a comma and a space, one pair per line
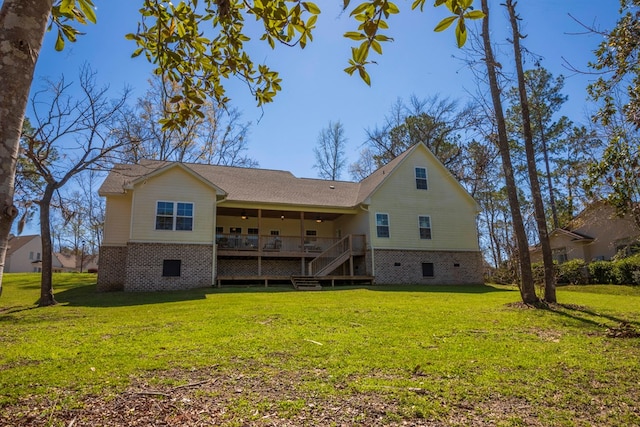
306, 283
333, 257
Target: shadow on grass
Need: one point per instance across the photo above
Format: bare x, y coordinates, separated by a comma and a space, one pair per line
586, 315
449, 289
87, 296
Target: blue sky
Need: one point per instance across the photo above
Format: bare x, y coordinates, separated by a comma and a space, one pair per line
315, 88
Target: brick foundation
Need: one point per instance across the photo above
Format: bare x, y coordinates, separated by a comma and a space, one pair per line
144, 266
112, 272
449, 267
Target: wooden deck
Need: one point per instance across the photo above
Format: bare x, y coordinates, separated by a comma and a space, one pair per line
266, 280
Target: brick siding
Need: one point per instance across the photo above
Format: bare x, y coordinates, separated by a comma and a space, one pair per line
145, 262
449, 267
112, 272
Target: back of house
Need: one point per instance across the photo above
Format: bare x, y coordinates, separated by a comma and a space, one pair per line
175, 226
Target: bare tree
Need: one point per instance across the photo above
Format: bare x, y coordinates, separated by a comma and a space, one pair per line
439, 123
330, 151
364, 166
69, 137
218, 136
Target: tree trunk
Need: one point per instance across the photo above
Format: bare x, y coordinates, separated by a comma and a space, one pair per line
22, 28
541, 220
46, 281
527, 287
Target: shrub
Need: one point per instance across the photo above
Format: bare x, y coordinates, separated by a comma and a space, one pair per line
537, 268
572, 272
625, 271
601, 272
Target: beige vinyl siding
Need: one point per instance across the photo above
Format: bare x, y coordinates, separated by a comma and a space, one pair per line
451, 210
353, 224
117, 220
174, 185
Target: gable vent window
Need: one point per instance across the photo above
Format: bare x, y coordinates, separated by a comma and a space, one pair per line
174, 216
171, 267
421, 178
427, 269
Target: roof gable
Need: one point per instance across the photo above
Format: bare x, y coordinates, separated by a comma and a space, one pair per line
373, 182
16, 242
264, 186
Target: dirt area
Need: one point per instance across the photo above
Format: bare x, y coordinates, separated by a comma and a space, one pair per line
215, 398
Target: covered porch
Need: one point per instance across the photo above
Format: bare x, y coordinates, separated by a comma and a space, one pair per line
273, 244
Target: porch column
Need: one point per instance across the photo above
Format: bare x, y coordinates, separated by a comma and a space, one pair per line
302, 258
259, 242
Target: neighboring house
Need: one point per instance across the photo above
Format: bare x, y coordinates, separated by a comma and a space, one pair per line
597, 233
174, 225
69, 263
23, 254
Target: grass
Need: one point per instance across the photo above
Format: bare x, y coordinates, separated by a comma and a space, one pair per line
455, 355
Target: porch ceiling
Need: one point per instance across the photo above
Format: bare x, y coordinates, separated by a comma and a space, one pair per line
267, 213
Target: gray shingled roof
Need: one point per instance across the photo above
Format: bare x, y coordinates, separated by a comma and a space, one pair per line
16, 242
248, 185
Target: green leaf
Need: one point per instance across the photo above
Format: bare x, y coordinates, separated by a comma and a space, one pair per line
420, 3
353, 35
87, 8
66, 6
461, 33
392, 8
59, 41
364, 76
445, 23
360, 8
474, 14
311, 7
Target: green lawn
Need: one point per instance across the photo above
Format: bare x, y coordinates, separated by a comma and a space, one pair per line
347, 356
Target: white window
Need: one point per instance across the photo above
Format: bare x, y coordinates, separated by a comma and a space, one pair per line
421, 178
174, 216
382, 225
424, 223
31, 256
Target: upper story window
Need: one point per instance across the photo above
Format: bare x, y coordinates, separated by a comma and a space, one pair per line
174, 216
382, 225
421, 178
424, 223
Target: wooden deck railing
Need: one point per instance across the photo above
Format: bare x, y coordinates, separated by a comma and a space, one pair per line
337, 254
275, 245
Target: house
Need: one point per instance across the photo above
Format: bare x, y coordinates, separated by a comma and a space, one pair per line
596, 233
23, 254
172, 225
67, 263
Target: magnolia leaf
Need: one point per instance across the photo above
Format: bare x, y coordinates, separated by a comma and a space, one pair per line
59, 41
364, 76
445, 23
474, 14
311, 7
353, 35
87, 8
420, 3
66, 6
461, 33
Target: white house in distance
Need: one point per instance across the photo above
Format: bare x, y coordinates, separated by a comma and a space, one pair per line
23, 254
173, 226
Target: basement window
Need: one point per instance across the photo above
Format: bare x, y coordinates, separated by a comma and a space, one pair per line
171, 267
427, 269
